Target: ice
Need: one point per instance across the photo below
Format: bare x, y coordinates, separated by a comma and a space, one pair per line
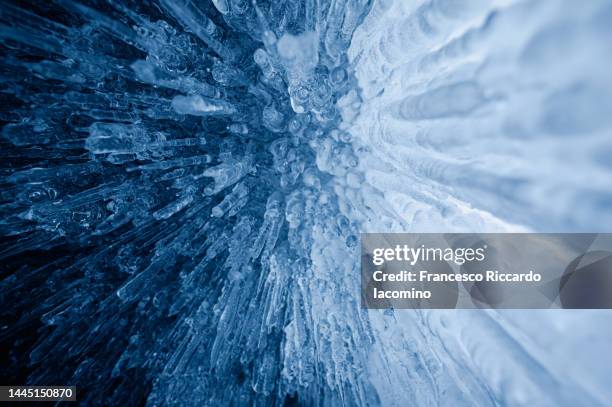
198, 106
469, 123
184, 184
232, 202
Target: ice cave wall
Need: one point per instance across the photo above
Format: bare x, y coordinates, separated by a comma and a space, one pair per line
488, 116
183, 185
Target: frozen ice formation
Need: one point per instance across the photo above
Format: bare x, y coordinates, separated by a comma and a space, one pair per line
184, 184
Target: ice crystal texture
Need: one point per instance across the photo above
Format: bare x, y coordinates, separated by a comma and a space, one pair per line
184, 183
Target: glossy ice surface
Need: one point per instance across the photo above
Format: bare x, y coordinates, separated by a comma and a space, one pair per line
183, 185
